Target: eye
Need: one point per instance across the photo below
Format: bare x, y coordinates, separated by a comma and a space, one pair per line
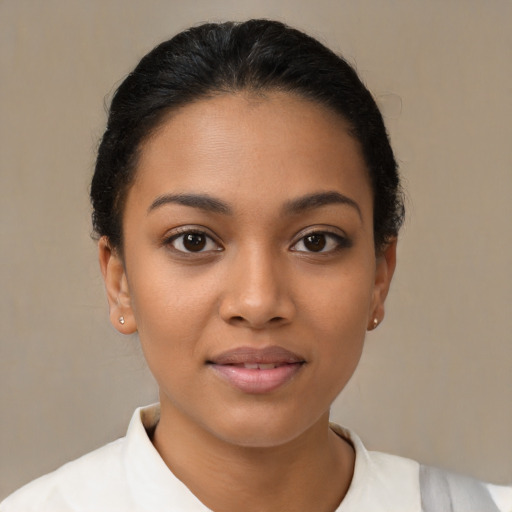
193, 242
320, 241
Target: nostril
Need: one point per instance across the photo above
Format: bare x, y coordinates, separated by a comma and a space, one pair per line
239, 319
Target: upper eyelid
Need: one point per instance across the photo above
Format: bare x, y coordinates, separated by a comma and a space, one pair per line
328, 230
183, 230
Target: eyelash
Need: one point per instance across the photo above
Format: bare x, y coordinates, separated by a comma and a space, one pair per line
333, 241
181, 233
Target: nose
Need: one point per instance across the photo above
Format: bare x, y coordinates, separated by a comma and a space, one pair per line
257, 292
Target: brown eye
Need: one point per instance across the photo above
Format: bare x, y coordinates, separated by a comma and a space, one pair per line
321, 242
194, 242
315, 242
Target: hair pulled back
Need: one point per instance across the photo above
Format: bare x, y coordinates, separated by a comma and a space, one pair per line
256, 55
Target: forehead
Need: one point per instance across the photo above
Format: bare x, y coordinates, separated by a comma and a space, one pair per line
248, 146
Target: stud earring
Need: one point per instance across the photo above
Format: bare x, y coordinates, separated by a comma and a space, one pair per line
121, 320
375, 322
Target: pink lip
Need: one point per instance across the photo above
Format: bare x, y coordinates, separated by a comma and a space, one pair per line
230, 366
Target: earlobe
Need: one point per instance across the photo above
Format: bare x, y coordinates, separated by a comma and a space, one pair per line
116, 285
385, 268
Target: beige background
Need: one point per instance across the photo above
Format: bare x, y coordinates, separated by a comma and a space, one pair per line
435, 382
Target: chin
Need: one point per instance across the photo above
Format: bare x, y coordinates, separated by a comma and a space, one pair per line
257, 430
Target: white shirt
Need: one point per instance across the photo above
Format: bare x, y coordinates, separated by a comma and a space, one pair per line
128, 475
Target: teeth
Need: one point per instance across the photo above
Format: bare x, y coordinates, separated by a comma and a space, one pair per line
255, 366
268, 366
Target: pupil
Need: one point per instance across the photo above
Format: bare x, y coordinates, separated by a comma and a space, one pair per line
315, 242
194, 242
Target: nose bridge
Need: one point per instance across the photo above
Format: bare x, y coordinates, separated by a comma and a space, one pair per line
256, 292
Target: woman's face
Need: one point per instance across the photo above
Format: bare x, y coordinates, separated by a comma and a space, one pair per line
249, 266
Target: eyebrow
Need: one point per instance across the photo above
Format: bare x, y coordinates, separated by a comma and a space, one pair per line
292, 207
201, 201
318, 200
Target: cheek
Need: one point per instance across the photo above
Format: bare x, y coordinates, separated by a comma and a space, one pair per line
338, 314
172, 308
169, 322
340, 300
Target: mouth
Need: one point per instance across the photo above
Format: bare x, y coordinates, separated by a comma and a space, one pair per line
257, 371
259, 366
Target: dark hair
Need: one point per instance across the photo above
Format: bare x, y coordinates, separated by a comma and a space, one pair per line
256, 55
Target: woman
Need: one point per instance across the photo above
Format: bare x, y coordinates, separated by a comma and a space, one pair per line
247, 205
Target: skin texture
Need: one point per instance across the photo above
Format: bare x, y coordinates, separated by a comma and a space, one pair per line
255, 284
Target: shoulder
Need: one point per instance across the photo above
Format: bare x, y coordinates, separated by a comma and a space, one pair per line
97, 473
127, 474
384, 482
380, 482
444, 490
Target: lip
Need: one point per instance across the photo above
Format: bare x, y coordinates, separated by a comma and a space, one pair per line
241, 368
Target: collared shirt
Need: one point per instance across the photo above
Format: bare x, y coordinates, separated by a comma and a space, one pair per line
128, 475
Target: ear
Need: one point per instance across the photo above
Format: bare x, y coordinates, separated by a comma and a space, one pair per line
385, 268
116, 285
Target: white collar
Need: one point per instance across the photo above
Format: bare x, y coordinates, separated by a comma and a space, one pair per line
152, 483
381, 482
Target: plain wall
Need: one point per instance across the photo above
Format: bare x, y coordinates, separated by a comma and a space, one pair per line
435, 381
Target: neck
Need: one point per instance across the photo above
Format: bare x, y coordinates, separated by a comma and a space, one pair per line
311, 472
